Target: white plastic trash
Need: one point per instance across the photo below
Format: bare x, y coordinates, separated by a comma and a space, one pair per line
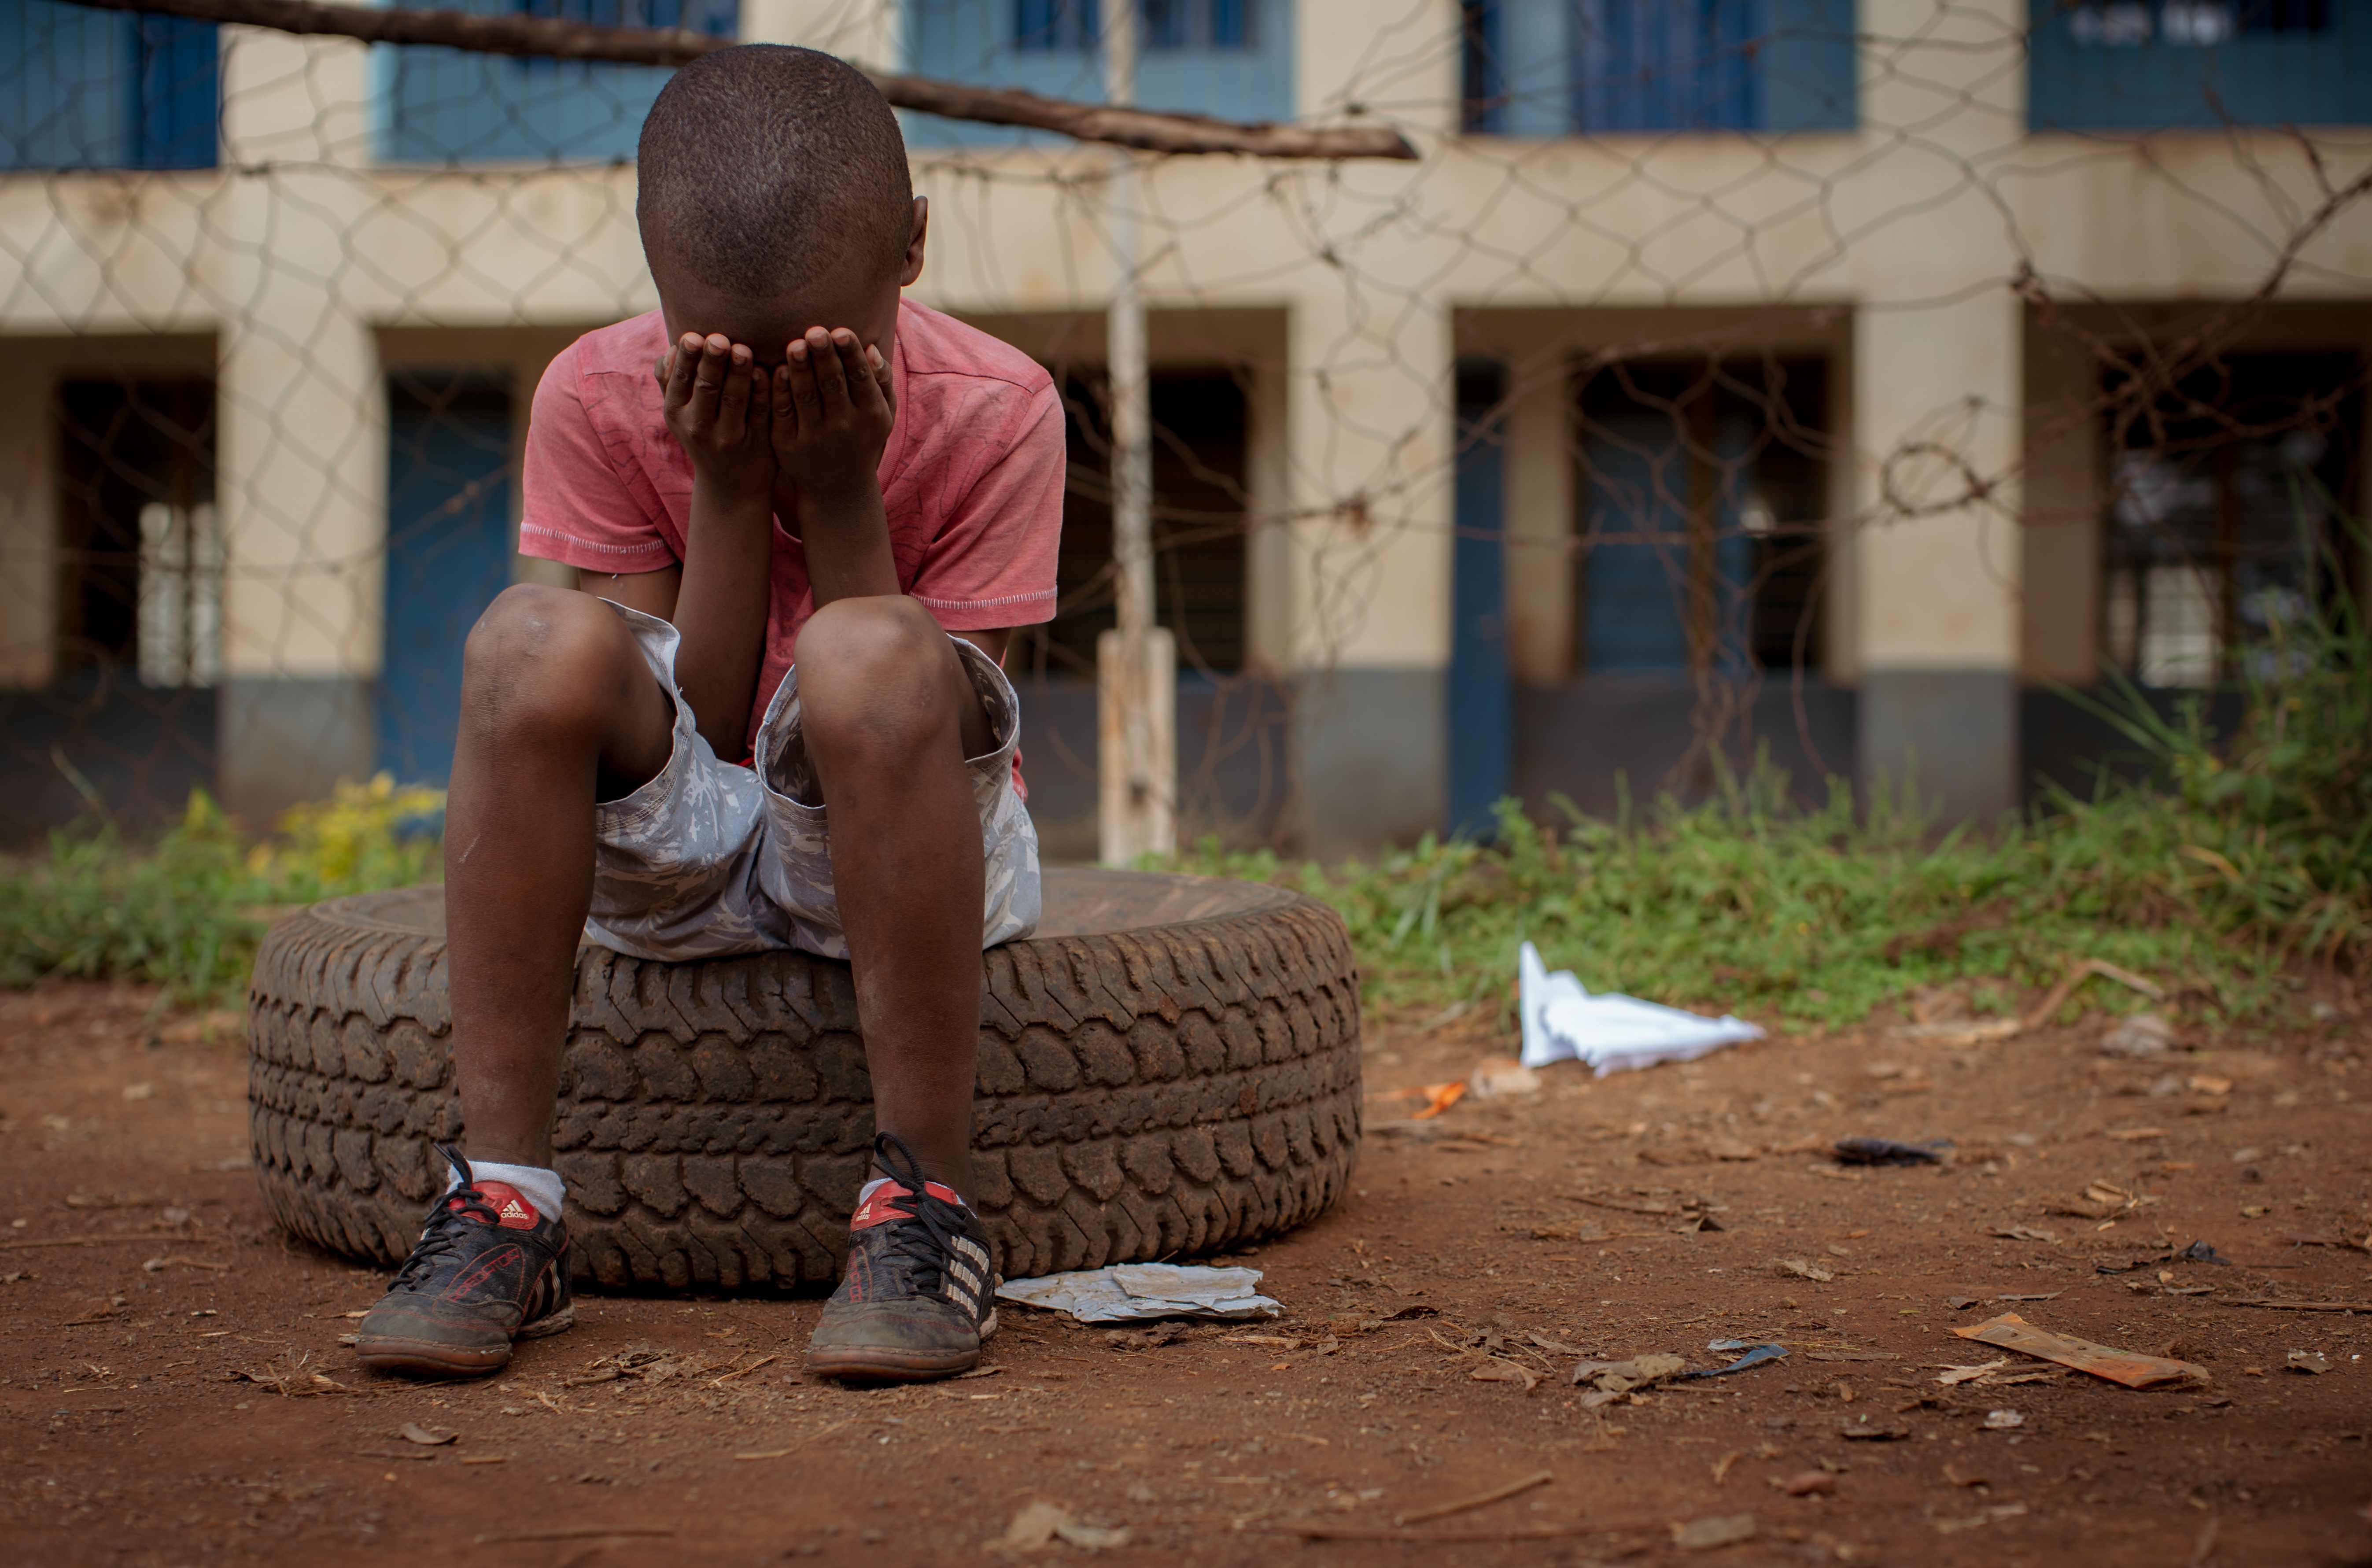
1614, 1033
1128, 1293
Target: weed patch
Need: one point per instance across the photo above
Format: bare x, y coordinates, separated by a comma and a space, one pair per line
186, 912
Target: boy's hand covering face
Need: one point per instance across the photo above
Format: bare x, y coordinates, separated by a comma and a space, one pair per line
718, 406
831, 409
821, 418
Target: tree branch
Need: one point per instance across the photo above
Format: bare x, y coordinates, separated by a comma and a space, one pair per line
546, 38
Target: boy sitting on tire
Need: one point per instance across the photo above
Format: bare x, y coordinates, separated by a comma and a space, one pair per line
806, 516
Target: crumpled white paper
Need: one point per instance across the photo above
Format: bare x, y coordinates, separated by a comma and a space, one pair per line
1611, 1032
1127, 1293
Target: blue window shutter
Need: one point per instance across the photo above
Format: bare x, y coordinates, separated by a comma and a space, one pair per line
176, 93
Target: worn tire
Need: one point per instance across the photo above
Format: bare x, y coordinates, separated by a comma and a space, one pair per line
1170, 1067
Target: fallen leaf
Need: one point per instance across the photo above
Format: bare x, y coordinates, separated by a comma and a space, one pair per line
1040, 1525
1953, 1374
2011, 1331
413, 1432
1497, 1371
2308, 1360
1799, 1268
1719, 1530
1810, 1483
1500, 1078
2136, 1134
1622, 1377
1439, 1098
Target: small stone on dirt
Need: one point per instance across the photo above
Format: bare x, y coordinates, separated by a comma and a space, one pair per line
1040, 1525
1719, 1530
2143, 1034
1500, 1078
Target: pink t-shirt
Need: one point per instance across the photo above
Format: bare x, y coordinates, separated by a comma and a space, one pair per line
971, 478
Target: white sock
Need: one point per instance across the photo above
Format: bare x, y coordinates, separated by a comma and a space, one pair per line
538, 1184
865, 1193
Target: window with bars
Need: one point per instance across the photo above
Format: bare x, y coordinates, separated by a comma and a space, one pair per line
2114, 24
1602, 67
141, 555
2225, 527
714, 18
2173, 64
445, 106
1704, 495
1074, 25
99, 89
1201, 448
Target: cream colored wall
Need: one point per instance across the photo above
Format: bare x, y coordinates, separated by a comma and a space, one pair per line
302, 403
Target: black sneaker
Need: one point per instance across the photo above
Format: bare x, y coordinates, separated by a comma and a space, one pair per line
918, 1296
488, 1270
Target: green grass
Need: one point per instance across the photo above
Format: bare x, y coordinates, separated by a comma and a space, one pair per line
2246, 859
186, 912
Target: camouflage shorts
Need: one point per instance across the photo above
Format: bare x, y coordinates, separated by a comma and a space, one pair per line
711, 858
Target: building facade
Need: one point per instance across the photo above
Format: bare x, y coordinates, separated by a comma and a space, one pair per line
1843, 380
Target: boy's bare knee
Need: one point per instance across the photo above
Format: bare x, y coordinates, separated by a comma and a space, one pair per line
874, 676
542, 654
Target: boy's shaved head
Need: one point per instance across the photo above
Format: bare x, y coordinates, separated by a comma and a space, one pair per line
766, 164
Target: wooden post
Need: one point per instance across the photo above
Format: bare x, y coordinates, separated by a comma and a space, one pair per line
1135, 663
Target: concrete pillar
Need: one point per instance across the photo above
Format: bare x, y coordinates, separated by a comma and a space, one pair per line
302, 446
2066, 483
1938, 570
1372, 421
1268, 553
1937, 399
29, 523
1371, 416
870, 33
1540, 521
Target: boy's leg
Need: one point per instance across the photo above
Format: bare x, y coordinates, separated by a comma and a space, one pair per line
888, 716
559, 710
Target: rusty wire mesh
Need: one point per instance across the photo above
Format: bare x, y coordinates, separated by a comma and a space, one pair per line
274, 307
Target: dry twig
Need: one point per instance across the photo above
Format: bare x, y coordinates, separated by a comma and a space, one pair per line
550, 37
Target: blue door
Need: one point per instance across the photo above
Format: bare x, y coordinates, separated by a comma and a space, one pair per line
1641, 576
1482, 687
449, 554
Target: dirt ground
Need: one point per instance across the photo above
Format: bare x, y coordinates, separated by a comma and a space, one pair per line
173, 1390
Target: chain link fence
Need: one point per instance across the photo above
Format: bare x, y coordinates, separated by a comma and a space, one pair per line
1718, 376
